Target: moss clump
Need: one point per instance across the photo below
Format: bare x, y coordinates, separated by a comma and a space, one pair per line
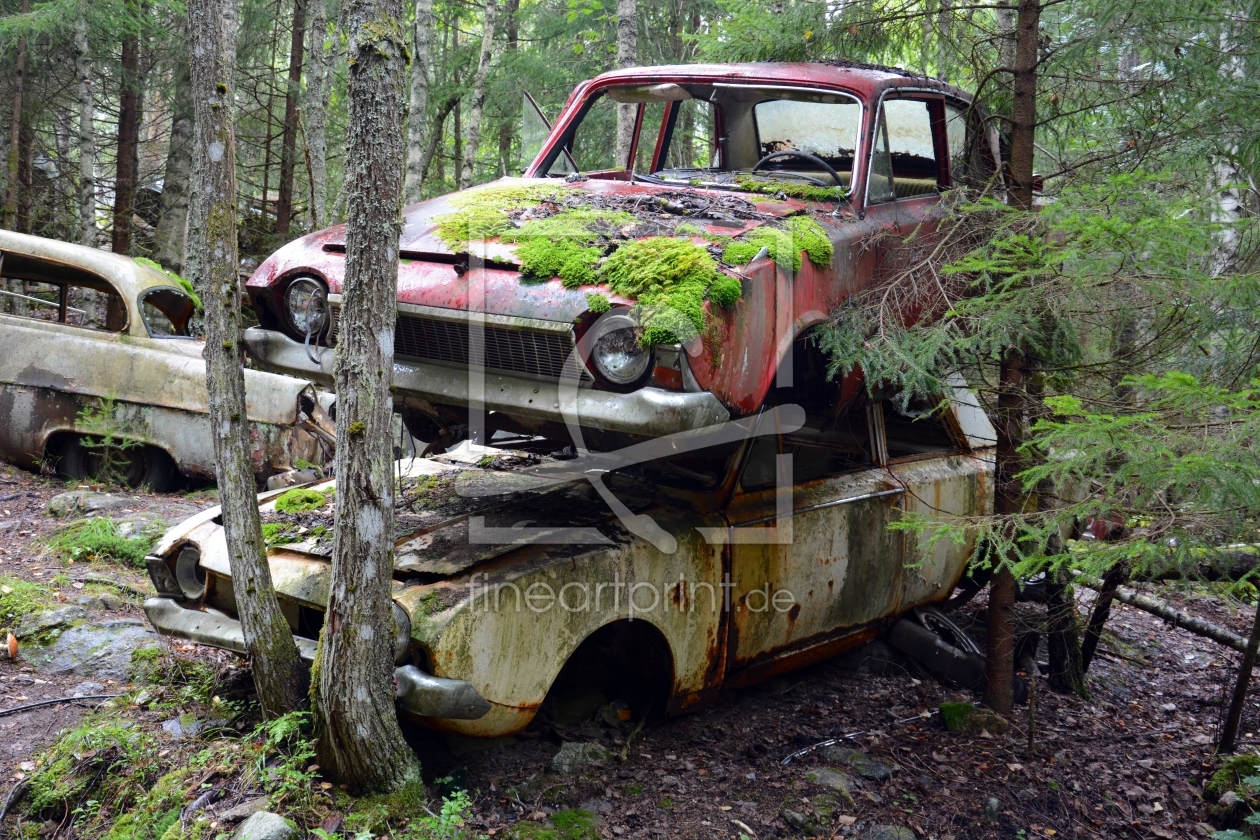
726, 292
803, 234
100, 539
179, 281
688, 229
805, 192
156, 812
953, 715
542, 258
483, 213
277, 533
573, 824
300, 500
669, 278
1231, 773
20, 598
99, 746
597, 303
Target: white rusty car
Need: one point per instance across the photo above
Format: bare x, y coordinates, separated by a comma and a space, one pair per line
661, 573
100, 372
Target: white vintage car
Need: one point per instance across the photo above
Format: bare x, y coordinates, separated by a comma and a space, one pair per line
100, 372
661, 573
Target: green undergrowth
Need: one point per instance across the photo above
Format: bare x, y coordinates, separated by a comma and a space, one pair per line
805, 192
20, 598
572, 824
669, 279
99, 538
300, 500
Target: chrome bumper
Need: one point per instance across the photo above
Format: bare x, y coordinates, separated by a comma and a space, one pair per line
415, 691
650, 412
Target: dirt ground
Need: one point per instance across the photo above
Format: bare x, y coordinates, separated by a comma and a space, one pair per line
1129, 762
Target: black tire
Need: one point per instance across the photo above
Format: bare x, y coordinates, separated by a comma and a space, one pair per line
136, 466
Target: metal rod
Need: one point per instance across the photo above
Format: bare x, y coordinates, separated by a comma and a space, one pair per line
41, 300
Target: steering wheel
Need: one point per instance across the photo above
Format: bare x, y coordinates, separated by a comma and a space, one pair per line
806, 156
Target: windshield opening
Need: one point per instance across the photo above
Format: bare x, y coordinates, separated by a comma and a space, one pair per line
758, 138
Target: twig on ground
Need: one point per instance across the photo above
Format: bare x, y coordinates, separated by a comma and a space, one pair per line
29, 706
14, 793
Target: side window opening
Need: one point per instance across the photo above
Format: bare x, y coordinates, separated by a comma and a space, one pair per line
692, 136
167, 313
904, 161
917, 429
48, 291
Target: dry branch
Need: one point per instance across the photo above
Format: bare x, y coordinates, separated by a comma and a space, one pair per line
1169, 613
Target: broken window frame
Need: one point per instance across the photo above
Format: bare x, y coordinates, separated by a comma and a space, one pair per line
935, 102
116, 307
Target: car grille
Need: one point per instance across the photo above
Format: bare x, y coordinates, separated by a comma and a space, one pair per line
543, 354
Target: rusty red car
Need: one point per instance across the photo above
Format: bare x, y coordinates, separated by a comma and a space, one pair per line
660, 485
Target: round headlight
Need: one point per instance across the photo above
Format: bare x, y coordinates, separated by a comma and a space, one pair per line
306, 303
616, 352
189, 574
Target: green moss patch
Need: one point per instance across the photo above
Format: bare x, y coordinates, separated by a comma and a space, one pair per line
669, 279
483, 213
597, 303
805, 192
100, 539
300, 500
803, 234
20, 598
1231, 773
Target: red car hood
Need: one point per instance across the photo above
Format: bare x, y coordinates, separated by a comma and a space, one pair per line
431, 274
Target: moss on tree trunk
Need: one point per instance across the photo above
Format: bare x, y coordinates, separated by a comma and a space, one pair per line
359, 742
277, 670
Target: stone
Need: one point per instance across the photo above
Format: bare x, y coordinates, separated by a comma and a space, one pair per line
973, 720
104, 601
265, 825
86, 502
243, 810
135, 524
833, 779
992, 809
797, 820
861, 765
1228, 799
87, 689
597, 806
1168, 707
887, 832
575, 756
101, 650
40, 623
184, 726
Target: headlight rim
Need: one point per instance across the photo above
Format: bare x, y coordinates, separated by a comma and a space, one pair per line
610, 322
297, 330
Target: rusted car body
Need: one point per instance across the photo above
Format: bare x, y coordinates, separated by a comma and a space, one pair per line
97, 349
717, 519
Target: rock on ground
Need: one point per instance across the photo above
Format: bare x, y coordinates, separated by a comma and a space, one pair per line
101, 651
265, 825
84, 502
574, 756
887, 832
39, 623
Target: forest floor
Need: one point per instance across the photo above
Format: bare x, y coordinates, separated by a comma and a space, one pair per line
1131, 761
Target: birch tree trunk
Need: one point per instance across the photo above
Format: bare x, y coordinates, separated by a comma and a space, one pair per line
87, 136
128, 145
15, 138
478, 104
278, 672
418, 127
315, 111
627, 56
288, 143
170, 238
359, 742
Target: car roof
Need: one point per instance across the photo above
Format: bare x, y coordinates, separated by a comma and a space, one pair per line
860, 78
125, 274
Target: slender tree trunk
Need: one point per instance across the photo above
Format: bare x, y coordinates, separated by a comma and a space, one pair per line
435, 136
511, 118
288, 145
87, 136
170, 238
1009, 499
1067, 669
315, 111
1115, 577
1024, 108
26, 177
627, 56
128, 145
359, 742
15, 131
478, 103
277, 670
1229, 734
417, 139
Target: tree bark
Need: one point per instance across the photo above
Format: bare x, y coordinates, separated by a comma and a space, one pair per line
128, 145
478, 104
418, 127
1009, 499
627, 56
87, 136
1024, 107
511, 117
359, 742
435, 134
1169, 613
1067, 670
288, 143
1102, 610
315, 112
277, 670
170, 238
15, 130
1229, 733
